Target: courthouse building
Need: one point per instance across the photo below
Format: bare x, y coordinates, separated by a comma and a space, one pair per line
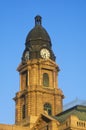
39, 101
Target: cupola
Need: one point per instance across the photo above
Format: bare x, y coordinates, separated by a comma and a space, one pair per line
37, 39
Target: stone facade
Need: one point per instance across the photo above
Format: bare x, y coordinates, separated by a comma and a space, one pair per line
35, 94
71, 119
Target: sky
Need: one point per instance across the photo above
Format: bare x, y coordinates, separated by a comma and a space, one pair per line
65, 21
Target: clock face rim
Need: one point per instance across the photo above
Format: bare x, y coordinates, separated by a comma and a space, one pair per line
27, 55
45, 53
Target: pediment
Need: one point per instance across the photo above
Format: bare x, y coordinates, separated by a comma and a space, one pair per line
49, 63
43, 122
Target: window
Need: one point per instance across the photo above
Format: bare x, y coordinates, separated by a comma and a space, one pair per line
25, 79
23, 111
45, 80
16, 115
48, 108
47, 128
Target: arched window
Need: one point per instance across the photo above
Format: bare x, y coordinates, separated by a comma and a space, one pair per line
23, 111
24, 80
48, 108
45, 80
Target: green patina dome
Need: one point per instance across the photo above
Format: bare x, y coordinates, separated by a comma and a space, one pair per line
38, 32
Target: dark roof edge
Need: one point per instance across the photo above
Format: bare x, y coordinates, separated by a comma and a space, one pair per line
77, 107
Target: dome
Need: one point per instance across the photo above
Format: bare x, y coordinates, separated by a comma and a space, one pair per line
36, 40
38, 32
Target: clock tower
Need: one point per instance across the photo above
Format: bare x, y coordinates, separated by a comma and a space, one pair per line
39, 92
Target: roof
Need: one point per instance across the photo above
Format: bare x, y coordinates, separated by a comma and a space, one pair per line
79, 111
38, 32
73, 103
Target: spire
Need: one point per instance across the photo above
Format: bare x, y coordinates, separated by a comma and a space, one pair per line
38, 20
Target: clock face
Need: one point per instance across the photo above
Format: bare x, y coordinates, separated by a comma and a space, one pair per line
45, 53
27, 55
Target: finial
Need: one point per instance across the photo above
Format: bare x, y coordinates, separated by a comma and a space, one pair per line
38, 20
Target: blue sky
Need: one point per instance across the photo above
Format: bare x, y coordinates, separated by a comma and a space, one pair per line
65, 21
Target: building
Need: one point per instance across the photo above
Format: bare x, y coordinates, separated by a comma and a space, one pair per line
39, 101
